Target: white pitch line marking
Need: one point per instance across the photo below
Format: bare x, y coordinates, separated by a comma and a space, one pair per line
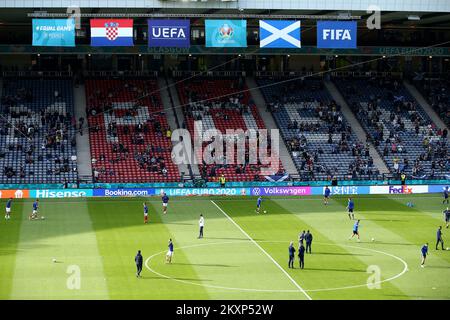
405, 269
264, 251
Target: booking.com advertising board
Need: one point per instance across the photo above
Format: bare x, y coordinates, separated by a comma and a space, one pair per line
255, 191
124, 192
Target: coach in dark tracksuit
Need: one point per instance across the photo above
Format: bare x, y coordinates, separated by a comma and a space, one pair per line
301, 256
138, 259
291, 255
439, 238
308, 240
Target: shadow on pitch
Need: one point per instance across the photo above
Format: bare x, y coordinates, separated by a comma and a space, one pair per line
340, 254
206, 265
436, 267
179, 279
390, 220
391, 243
241, 239
335, 270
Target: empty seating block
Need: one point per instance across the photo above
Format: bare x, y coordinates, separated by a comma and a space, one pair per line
402, 131
304, 110
33, 110
437, 92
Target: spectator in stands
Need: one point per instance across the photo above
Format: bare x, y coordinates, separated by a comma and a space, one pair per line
80, 125
396, 165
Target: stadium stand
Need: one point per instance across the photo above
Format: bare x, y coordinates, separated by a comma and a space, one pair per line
437, 92
218, 103
398, 126
37, 139
319, 138
129, 134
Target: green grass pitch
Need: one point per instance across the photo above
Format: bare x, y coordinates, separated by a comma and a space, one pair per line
243, 255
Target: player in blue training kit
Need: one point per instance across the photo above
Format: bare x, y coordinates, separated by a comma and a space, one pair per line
258, 204
165, 202
350, 208
34, 213
355, 231
445, 195
145, 213
8, 209
169, 254
424, 251
446, 213
326, 195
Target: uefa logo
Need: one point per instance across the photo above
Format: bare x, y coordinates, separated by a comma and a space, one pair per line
226, 32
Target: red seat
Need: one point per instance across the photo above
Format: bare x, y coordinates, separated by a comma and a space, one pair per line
127, 170
223, 89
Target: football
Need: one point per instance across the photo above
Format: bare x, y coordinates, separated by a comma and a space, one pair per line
265, 211
42, 218
373, 239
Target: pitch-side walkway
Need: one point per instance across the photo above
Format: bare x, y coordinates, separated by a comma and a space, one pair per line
83, 145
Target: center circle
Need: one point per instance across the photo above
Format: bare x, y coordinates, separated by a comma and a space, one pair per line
148, 260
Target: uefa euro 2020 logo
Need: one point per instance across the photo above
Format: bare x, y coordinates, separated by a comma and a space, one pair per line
226, 32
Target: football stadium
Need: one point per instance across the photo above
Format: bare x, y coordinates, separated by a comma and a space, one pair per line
224, 150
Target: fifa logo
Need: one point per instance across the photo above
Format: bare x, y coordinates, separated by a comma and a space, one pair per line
338, 34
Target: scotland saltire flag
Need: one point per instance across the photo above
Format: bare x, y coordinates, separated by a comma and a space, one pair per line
111, 32
279, 34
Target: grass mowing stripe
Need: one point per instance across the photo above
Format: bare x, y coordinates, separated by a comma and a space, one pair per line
329, 266
397, 229
120, 233
264, 251
66, 235
9, 239
226, 257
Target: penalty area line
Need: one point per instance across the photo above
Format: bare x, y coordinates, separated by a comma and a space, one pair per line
264, 251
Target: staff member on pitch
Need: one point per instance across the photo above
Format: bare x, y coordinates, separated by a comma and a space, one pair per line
291, 255
308, 240
439, 238
138, 260
201, 224
301, 255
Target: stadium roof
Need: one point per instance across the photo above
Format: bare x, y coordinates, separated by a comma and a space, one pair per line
353, 5
13, 16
